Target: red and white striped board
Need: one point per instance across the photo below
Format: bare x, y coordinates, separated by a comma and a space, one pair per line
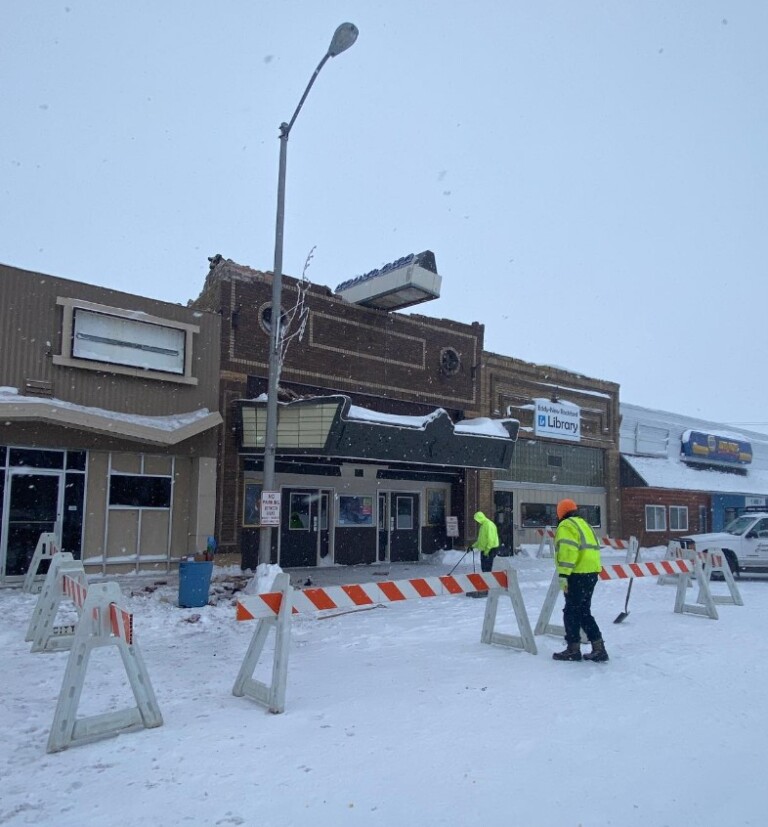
120, 620
612, 542
712, 560
367, 594
622, 571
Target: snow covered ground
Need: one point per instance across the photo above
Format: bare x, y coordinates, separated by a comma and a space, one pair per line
399, 715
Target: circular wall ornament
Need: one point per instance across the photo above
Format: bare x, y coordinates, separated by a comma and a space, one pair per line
450, 363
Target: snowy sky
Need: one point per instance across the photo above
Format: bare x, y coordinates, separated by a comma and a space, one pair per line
564, 161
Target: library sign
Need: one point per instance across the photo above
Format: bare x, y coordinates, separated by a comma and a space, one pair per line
561, 420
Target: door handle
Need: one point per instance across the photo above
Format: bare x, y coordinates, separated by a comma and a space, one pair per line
314, 524
391, 523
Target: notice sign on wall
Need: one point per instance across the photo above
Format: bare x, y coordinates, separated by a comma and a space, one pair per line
270, 508
561, 420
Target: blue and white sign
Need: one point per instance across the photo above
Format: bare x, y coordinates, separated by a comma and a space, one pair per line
561, 420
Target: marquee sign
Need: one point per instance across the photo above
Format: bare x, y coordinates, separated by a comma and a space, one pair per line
697, 446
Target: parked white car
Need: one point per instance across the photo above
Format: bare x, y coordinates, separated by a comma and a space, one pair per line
744, 542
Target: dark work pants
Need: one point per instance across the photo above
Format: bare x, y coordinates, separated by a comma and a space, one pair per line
486, 560
577, 613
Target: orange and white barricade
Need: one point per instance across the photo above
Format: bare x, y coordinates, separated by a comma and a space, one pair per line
547, 544
712, 560
631, 546
683, 569
102, 621
42, 631
715, 561
47, 546
274, 610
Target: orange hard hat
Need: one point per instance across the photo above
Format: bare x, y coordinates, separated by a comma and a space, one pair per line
564, 507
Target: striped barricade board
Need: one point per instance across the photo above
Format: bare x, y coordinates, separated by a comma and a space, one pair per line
713, 561
274, 610
682, 569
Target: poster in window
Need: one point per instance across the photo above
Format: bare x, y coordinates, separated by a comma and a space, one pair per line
251, 504
436, 506
356, 511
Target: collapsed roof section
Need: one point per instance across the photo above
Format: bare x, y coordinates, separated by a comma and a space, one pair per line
330, 426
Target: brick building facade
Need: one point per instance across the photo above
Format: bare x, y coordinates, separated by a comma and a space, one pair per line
394, 364
546, 467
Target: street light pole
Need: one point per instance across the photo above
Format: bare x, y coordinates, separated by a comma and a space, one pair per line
344, 36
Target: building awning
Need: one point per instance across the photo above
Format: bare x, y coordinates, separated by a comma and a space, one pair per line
157, 430
330, 426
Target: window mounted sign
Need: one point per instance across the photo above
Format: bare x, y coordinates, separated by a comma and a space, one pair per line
559, 420
270, 508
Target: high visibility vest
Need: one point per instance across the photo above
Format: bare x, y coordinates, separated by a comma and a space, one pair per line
577, 550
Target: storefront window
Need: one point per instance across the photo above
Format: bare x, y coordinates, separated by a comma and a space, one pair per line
591, 514
538, 515
133, 491
357, 511
436, 498
252, 504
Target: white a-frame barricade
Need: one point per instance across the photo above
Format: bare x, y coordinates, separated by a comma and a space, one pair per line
674, 552
715, 561
42, 631
273, 615
547, 543
103, 622
273, 611
46, 548
683, 569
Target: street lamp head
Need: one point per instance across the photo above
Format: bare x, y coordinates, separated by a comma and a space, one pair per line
344, 36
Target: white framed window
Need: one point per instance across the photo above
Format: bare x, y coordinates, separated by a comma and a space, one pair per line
127, 341
678, 518
655, 518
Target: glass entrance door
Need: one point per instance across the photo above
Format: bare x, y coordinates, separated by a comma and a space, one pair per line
304, 529
34, 506
404, 527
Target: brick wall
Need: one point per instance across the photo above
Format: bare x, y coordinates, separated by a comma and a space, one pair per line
634, 500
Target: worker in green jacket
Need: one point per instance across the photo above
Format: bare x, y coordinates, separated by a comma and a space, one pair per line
577, 557
487, 542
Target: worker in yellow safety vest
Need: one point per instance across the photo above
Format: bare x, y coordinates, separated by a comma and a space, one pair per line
577, 557
487, 542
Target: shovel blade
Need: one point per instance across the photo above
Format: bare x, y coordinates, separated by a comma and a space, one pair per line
621, 616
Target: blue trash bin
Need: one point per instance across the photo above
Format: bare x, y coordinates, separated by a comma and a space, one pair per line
194, 583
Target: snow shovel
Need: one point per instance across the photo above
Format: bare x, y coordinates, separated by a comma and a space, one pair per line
623, 615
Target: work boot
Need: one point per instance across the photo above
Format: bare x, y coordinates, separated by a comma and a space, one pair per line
571, 652
598, 653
